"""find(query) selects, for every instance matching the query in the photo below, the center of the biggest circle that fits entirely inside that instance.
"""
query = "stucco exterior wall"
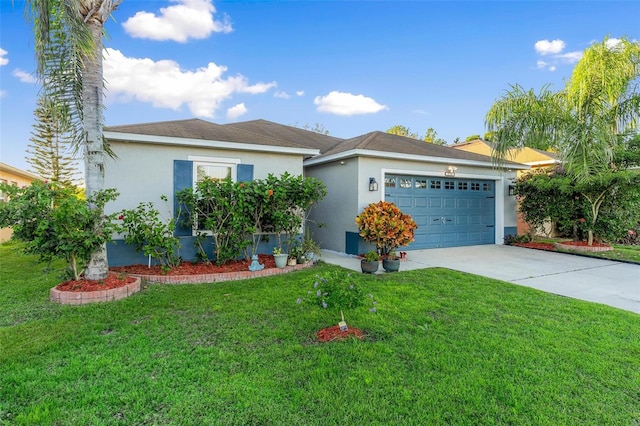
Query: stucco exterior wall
(348, 192)
(340, 207)
(144, 172)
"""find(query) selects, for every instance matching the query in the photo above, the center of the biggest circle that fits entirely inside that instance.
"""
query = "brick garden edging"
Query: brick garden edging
(590, 249)
(85, 297)
(224, 276)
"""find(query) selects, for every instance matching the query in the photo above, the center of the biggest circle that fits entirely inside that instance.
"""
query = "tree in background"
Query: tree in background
(316, 128)
(68, 46)
(50, 144)
(431, 136)
(402, 131)
(589, 123)
(472, 138)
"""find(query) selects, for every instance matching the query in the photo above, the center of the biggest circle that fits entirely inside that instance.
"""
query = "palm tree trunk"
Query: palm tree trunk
(94, 155)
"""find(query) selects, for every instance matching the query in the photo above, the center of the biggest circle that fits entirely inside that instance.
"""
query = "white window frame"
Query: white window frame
(211, 161)
(214, 161)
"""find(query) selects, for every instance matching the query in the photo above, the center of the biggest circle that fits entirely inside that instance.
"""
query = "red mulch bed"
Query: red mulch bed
(112, 281)
(333, 333)
(551, 247)
(190, 268)
(116, 279)
(539, 246)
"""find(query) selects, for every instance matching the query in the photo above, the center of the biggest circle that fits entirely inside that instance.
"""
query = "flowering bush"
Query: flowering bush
(238, 214)
(55, 223)
(384, 225)
(143, 228)
(337, 291)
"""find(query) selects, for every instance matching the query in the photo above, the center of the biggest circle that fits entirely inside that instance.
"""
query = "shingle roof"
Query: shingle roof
(386, 142)
(204, 130)
(296, 135)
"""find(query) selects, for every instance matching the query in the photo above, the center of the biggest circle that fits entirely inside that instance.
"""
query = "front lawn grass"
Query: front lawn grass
(444, 348)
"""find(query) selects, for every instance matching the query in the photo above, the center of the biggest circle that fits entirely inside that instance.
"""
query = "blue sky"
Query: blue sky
(351, 66)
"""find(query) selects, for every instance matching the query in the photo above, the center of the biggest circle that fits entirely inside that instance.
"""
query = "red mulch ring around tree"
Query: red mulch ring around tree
(112, 281)
(191, 268)
(333, 333)
(551, 247)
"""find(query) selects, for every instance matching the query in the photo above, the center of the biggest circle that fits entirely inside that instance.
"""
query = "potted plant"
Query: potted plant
(370, 262)
(384, 225)
(391, 262)
(280, 257)
(310, 248)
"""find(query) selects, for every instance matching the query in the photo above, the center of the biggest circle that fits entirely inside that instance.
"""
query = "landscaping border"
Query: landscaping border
(219, 277)
(586, 249)
(86, 297)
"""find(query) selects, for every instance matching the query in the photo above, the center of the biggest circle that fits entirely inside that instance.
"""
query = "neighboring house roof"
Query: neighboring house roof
(6, 168)
(304, 137)
(525, 155)
(196, 132)
(381, 144)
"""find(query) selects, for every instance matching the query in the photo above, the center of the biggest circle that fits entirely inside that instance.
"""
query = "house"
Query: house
(17, 177)
(535, 158)
(456, 197)
(160, 159)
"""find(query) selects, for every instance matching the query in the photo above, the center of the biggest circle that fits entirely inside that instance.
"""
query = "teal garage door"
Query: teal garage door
(449, 212)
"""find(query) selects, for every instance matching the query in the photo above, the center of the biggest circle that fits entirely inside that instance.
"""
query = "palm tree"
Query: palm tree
(585, 123)
(68, 43)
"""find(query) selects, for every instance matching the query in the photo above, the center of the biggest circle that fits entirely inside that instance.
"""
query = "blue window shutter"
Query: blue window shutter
(244, 172)
(182, 179)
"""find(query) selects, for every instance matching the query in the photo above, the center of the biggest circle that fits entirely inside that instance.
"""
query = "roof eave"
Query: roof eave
(412, 157)
(205, 143)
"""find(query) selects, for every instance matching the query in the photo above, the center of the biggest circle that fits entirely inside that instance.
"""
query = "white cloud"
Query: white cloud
(341, 103)
(236, 111)
(300, 93)
(613, 42)
(179, 22)
(24, 76)
(546, 47)
(541, 64)
(2, 94)
(164, 85)
(420, 112)
(3, 60)
(570, 57)
(281, 95)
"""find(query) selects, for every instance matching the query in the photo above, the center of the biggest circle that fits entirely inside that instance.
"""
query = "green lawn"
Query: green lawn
(443, 348)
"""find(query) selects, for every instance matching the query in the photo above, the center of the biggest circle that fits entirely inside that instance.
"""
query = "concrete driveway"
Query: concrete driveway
(602, 281)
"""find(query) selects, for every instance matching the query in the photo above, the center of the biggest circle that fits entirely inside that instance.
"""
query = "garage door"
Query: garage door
(449, 212)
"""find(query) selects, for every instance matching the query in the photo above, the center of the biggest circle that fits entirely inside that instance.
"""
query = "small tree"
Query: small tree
(54, 223)
(51, 142)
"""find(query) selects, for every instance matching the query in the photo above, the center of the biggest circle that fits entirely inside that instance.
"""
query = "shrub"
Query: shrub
(238, 214)
(384, 225)
(337, 291)
(55, 223)
(143, 228)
